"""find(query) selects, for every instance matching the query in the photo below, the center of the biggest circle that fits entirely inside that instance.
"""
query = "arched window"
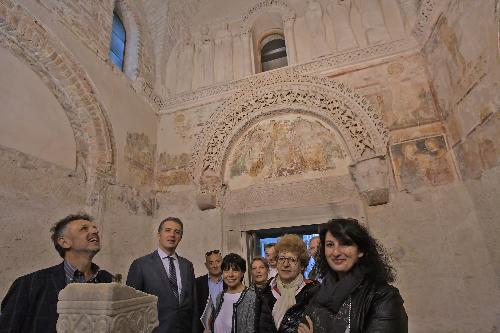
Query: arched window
(118, 40)
(273, 52)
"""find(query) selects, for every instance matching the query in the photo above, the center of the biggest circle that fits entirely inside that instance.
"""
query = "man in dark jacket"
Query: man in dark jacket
(210, 284)
(31, 302)
(170, 277)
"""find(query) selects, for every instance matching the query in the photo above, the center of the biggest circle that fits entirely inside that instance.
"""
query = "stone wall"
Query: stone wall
(113, 130)
(23, 95)
(464, 60)
(445, 272)
(33, 195)
(92, 25)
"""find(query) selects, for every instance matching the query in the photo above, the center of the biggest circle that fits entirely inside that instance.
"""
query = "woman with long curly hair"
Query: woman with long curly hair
(355, 295)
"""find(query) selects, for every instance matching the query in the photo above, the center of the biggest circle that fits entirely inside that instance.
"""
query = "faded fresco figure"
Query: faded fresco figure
(422, 162)
(203, 60)
(339, 11)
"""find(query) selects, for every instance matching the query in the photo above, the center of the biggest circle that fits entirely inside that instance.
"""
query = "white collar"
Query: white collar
(164, 255)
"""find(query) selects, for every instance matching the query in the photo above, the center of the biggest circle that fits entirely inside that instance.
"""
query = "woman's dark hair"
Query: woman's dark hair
(350, 232)
(234, 261)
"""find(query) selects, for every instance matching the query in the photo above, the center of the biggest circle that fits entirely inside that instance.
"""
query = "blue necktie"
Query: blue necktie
(172, 277)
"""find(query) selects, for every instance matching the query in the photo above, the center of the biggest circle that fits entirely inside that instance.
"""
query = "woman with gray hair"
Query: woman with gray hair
(283, 301)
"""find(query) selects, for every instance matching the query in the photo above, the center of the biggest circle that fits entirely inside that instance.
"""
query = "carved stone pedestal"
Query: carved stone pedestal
(105, 307)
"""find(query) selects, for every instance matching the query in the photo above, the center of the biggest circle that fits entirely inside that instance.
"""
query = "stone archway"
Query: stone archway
(336, 104)
(40, 50)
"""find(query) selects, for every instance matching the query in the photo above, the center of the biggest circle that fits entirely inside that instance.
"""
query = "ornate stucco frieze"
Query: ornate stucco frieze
(334, 103)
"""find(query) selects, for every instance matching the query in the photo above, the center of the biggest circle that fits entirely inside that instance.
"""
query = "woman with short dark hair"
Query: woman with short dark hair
(355, 295)
(235, 307)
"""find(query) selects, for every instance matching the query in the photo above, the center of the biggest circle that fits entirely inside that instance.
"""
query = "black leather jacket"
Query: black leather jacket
(374, 308)
(293, 317)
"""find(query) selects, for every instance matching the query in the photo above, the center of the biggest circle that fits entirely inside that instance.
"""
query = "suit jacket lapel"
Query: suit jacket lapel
(184, 277)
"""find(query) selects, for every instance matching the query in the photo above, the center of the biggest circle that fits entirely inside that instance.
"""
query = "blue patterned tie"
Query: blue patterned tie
(172, 277)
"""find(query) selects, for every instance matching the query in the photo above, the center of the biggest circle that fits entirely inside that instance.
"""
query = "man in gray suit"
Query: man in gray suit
(170, 277)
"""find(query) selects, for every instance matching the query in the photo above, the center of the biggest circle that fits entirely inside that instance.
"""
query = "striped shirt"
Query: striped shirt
(73, 275)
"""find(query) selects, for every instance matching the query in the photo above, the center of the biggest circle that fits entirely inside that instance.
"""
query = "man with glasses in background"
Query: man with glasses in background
(210, 284)
(271, 259)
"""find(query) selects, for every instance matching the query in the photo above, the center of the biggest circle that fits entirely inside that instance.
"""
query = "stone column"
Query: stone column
(105, 307)
(246, 68)
(290, 39)
(371, 179)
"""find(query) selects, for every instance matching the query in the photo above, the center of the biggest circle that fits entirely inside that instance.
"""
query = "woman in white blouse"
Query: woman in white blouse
(235, 307)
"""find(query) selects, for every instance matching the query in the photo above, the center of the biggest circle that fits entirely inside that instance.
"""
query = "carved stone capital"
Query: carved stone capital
(289, 20)
(209, 188)
(206, 200)
(371, 179)
(245, 34)
(106, 307)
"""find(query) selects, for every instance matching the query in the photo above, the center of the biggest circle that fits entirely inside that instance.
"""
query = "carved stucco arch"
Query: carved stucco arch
(351, 114)
(264, 7)
(40, 50)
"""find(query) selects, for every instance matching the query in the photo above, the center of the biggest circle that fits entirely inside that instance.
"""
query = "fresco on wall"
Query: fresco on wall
(422, 162)
(481, 150)
(412, 104)
(139, 155)
(287, 147)
(455, 66)
(400, 90)
(172, 170)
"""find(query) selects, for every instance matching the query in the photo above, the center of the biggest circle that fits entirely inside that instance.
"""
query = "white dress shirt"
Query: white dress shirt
(166, 265)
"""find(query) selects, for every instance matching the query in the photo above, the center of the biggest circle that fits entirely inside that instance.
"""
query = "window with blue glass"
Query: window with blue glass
(118, 40)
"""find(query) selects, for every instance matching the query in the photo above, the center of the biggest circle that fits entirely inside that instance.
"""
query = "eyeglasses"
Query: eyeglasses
(212, 252)
(291, 260)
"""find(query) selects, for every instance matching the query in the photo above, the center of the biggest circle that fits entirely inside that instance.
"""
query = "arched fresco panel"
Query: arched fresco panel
(288, 146)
